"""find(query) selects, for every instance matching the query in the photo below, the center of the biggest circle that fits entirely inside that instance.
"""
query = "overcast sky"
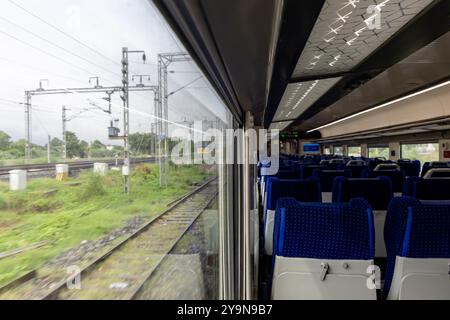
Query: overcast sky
(32, 50)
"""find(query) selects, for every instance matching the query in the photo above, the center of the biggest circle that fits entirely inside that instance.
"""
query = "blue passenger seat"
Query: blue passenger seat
(323, 251)
(397, 177)
(427, 189)
(301, 190)
(378, 192)
(417, 236)
(326, 177)
(411, 168)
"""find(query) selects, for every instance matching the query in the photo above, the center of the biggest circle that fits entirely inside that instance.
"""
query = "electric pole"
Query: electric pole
(162, 127)
(49, 158)
(126, 113)
(64, 133)
(28, 127)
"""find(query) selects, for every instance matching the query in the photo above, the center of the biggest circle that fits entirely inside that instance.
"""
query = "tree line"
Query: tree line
(140, 144)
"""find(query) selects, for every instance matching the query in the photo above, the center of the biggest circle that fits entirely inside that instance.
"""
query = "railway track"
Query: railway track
(74, 166)
(121, 272)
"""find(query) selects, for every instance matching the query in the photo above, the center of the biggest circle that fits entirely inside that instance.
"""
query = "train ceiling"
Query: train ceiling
(303, 64)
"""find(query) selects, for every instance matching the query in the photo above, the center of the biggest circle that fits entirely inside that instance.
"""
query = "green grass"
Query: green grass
(72, 214)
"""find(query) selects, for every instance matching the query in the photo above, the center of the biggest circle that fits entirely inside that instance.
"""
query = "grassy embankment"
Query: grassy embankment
(67, 213)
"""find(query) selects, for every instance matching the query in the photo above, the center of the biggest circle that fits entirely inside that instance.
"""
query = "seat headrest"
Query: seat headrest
(301, 190)
(438, 173)
(427, 189)
(378, 192)
(387, 166)
(439, 164)
(305, 232)
(356, 163)
(337, 161)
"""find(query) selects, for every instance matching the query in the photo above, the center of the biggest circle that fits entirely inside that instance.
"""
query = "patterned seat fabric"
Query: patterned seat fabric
(433, 165)
(415, 230)
(301, 190)
(326, 177)
(324, 231)
(411, 168)
(378, 192)
(427, 189)
(306, 171)
(397, 177)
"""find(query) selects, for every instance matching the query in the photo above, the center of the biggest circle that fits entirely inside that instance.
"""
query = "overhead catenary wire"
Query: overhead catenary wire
(62, 32)
(58, 46)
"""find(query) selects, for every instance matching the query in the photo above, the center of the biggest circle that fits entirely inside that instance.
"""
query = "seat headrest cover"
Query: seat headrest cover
(437, 173)
(439, 164)
(356, 163)
(387, 166)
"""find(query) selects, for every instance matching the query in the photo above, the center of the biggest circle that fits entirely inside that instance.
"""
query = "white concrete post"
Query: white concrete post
(17, 180)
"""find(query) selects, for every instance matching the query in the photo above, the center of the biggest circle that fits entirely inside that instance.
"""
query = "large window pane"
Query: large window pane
(339, 151)
(425, 152)
(85, 58)
(354, 151)
(379, 152)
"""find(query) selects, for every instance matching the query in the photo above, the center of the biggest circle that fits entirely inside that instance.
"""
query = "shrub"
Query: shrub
(92, 187)
(145, 172)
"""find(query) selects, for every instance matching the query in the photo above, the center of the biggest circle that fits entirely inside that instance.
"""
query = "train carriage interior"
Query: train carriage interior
(324, 175)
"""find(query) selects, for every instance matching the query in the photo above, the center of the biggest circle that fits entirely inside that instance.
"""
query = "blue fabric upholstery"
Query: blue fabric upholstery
(326, 178)
(411, 168)
(357, 171)
(373, 163)
(415, 229)
(397, 177)
(306, 171)
(378, 192)
(435, 165)
(301, 190)
(427, 189)
(287, 174)
(324, 231)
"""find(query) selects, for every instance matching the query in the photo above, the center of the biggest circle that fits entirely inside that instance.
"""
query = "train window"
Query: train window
(379, 152)
(121, 164)
(354, 151)
(339, 151)
(425, 152)
(327, 150)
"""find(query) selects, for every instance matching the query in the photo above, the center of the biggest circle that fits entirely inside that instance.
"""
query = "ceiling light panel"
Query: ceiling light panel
(347, 32)
(280, 125)
(298, 97)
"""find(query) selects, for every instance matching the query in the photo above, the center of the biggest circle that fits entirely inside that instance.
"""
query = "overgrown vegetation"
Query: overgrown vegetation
(85, 208)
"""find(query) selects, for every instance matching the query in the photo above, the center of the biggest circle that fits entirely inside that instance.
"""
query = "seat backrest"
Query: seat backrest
(411, 168)
(437, 173)
(301, 190)
(336, 240)
(378, 192)
(387, 166)
(373, 163)
(397, 177)
(417, 241)
(434, 165)
(306, 171)
(304, 230)
(356, 163)
(326, 178)
(427, 189)
(289, 174)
